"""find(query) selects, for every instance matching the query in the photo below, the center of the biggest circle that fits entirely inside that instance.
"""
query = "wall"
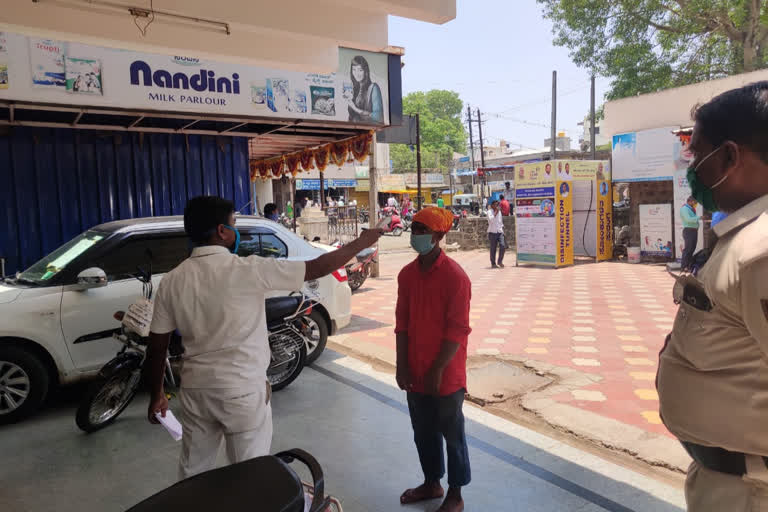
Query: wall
(671, 107)
(56, 183)
(473, 233)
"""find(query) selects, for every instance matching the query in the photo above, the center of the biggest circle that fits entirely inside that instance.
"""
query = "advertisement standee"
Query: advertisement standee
(544, 210)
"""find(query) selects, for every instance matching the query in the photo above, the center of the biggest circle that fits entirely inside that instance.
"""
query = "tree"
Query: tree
(442, 131)
(647, 45)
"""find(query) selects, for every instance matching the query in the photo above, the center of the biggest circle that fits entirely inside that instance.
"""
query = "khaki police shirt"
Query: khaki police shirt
(713, 374)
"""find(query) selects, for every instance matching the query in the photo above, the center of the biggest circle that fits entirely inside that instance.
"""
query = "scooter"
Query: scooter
(267, 484)
(394, 225)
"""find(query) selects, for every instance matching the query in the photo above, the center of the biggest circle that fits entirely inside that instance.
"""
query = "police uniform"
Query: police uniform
(713, 370)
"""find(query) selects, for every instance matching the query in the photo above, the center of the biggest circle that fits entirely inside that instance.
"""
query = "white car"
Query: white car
(56, 318)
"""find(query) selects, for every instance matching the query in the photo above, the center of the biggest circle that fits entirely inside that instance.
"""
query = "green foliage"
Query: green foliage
(647, 45)
(442, 131)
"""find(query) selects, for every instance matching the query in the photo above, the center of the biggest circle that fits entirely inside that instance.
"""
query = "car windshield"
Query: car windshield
(55, 262)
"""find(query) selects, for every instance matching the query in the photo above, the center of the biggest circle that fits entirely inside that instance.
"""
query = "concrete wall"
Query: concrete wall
(671, 107)
(303, 35)
(473, 234)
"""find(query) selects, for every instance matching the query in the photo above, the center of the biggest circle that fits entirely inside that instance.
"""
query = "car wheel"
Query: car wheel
(319, 338)
(24, 384)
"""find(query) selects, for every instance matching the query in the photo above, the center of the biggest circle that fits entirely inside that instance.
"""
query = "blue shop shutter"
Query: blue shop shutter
(57, 182)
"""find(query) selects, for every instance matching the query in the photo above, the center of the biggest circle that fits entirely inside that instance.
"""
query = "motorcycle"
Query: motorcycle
(393, 224)
(362, 215)
(288, 325)
(358, 272)
(408, 219)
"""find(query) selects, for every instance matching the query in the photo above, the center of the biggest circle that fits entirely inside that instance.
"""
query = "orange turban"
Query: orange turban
(438, 220)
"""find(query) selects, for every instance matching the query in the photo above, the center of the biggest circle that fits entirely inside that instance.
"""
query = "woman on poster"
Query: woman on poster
(365, 103)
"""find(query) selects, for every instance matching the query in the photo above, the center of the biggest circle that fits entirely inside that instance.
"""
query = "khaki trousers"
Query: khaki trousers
(243, 419)
(712, 491)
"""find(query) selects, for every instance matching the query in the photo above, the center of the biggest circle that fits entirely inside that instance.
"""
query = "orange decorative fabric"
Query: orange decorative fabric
(276, 166)
(322, 156)
(438, 220)
(339, 152)
(360, 147)
(292, 163)
(307, 160)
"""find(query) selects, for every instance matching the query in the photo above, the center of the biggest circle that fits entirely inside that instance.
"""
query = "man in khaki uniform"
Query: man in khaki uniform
(713, 370)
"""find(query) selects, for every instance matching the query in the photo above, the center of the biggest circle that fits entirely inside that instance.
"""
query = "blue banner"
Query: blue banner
(535, 192)
(313, 184)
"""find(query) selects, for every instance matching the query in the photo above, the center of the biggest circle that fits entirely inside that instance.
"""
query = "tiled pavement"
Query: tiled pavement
(608, 319)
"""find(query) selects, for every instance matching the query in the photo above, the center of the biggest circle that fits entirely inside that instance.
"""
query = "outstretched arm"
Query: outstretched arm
(327, 263)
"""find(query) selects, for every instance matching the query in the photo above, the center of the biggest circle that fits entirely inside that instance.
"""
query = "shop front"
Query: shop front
(91, 134)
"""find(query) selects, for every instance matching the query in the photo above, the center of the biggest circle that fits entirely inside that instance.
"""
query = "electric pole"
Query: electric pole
(482, 154)
(553, 153)
(592, 115)
(418, 163)
(471, 146)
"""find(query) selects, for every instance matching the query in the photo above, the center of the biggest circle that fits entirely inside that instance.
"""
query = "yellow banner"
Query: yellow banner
(564, 226)
(539, 174)
(604, 220)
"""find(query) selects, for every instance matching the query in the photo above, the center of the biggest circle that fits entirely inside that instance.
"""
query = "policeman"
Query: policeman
(713, 370)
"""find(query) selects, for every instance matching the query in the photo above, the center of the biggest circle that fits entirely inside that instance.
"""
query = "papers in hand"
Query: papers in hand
(170, 423)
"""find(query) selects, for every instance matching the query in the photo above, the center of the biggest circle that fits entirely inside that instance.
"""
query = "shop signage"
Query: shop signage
(649, 155)
(65, 72)
(391, 183)
(311, 184)
(411, 179)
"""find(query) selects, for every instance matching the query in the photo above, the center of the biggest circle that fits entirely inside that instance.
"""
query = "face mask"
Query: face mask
(702, 193)
(422, 244)
(235, 247)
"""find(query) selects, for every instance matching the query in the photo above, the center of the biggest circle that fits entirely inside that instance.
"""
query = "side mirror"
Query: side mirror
(92, 277)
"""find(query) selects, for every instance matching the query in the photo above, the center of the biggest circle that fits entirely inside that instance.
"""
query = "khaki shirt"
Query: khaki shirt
(713, 373)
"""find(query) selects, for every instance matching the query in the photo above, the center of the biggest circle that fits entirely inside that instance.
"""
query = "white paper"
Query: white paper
(171, 424)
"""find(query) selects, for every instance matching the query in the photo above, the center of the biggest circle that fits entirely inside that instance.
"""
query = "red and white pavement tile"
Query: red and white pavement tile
(608, 319)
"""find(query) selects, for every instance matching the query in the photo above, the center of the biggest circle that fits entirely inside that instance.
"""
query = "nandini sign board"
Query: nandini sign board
(56, 71)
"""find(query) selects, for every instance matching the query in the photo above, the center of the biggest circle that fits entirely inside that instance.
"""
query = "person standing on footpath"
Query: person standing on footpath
(504, 205)
(496, 235)
(432, 329)
(713, 369)
(690, 231)
(216, 301)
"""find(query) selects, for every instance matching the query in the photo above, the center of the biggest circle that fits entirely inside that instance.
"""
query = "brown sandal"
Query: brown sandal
(420, 493)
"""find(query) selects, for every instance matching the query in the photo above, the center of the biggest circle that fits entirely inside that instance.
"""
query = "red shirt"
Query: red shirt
(433, 307)
(504, 207)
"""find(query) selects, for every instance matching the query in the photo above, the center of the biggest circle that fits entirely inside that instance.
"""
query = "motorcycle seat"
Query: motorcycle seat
(278, 308)
(263, 483)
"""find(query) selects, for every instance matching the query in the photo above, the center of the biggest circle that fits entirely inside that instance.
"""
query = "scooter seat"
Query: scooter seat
(365, 254)
(278, 308)
(264, 483)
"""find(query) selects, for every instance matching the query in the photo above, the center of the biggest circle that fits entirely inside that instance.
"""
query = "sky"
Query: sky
(499, 56)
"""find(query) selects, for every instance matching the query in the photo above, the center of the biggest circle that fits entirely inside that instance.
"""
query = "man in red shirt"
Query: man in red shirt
(504, 205)
(432, 332)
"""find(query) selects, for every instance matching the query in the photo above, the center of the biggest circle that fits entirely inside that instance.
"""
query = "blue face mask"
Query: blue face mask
(235, 247)
(422, 244)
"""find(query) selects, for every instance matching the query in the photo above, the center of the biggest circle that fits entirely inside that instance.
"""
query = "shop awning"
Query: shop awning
(269, 137)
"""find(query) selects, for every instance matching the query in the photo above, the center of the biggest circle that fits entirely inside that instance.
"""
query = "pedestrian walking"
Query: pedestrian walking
(432, 329)
(690, 231)
(215, 299)
(496, 235)
(713, 370)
